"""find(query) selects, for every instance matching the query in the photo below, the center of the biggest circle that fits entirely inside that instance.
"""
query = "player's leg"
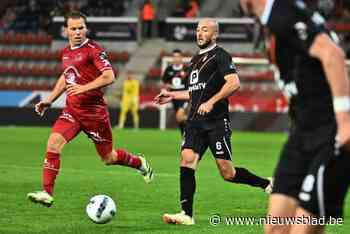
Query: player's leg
(290, 171)
(135, 112)
(124, 109)
(180, 115)
(100, 132)
(64, 129)
(324, 189)
(220, 146)
(181, 119)
(188, 165)
(280, 207)
(194, 146)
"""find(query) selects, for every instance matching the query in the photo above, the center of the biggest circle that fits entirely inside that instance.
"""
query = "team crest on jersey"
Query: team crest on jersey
(71, 74)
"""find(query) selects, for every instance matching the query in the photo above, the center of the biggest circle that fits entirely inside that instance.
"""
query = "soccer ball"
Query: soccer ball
(101, 209)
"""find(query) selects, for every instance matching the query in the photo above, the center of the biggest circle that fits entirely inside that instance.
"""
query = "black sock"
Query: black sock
(182, 127)
(243, 176)
(187, 189)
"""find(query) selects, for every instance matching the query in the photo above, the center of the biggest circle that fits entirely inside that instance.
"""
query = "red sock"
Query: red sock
(51, 169)
(127, 159)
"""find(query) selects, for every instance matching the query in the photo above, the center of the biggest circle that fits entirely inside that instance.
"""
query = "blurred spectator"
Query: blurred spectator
(193, 10)
(148, 16)
(179, 10)
(130, 101)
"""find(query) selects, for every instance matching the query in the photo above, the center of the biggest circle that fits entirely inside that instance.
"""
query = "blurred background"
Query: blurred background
(139, 37)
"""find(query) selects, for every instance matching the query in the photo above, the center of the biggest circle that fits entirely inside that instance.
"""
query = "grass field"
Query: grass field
(140, 206)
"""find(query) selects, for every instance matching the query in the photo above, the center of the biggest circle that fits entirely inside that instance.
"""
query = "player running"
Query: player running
(212, 80)
(86, 71)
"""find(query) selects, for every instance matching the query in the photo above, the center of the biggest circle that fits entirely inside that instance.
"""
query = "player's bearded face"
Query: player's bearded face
(205, 36)
(76, 31)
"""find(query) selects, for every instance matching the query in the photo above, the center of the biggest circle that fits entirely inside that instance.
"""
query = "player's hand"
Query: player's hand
(205, 108)
(41, 107)
(75, 89)
(343, 133)
(164, 97)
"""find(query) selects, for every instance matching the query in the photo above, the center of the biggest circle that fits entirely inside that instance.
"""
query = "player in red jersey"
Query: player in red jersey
(86, 70)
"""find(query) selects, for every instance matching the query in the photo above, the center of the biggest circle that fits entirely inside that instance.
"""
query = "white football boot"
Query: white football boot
(179, 218)
(41, 197)
(146, 170)
(269, 188)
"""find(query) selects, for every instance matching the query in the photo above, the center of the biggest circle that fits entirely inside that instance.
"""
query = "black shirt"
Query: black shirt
(294, 29)
(176, 76)
(208, 70)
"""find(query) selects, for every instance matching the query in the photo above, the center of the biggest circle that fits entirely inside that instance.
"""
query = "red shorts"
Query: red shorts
(98, 130)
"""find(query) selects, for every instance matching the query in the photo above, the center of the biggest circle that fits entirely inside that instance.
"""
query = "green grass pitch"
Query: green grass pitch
(139, 206)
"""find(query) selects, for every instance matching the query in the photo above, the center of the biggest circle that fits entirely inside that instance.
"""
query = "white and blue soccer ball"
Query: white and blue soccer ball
(101, 209)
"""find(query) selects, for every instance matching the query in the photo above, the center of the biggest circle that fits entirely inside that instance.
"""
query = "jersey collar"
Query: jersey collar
(267, 12)
(178, 67)
(202, 51)
(76, 47)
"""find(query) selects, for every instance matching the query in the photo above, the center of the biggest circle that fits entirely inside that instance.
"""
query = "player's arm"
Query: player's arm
(231, 85)
(166, 96)
(59, 88)
(334, 65)
(106, 78)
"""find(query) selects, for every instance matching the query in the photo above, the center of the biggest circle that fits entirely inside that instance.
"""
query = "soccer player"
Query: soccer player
(175, 79)
(130, 101)
(312, 176)
(212, 80)
(86, 71)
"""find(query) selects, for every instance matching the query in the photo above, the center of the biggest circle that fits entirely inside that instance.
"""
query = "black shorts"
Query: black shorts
(215, 135)
(177, 104)
(312, 171)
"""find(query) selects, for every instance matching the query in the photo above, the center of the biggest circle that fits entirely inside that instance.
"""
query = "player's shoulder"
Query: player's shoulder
(221, 52)
(65, 49)
(91, 44)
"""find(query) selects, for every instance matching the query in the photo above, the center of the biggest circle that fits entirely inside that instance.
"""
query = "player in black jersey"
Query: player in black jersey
(212, 79)
(175, 79)
(312, 176)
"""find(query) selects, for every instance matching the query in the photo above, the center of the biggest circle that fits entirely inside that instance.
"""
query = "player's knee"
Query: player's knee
(188, 158)
(55, 143)
(180, 116)
(106, 153)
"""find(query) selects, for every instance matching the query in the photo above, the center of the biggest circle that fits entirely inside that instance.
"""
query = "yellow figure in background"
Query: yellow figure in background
(130, 100)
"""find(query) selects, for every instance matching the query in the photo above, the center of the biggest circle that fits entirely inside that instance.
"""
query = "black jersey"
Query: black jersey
(293, 28)
(176, 76)
(208, 69)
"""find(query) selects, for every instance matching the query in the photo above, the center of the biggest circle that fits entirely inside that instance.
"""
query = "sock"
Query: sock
(51, 169)
(243, 176)
(187, 189)
(127, 159)
(182, 127)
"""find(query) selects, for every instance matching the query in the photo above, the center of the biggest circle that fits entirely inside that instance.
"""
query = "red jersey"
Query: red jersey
(82, 65)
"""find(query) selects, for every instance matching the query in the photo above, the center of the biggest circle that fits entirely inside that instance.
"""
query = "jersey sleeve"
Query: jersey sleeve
(225, 63)
(299, 25)
(100, 59)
